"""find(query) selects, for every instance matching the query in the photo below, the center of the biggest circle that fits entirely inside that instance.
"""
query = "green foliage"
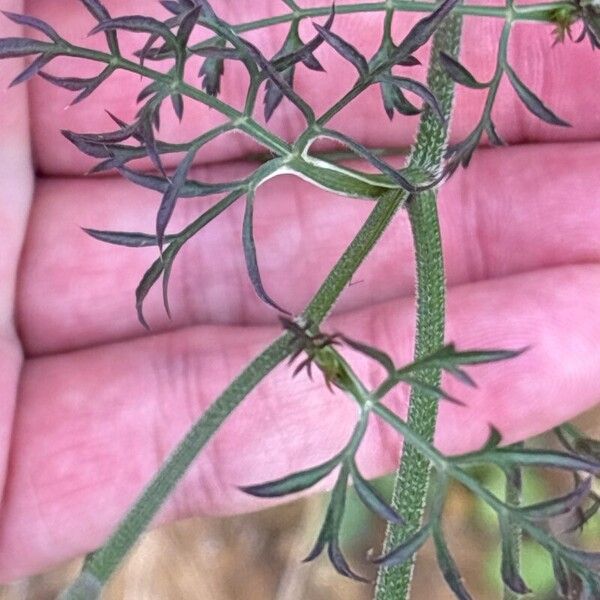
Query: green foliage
(168, 42)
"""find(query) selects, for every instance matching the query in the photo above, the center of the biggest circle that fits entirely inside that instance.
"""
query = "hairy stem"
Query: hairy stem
(412, 481)
(101, 564)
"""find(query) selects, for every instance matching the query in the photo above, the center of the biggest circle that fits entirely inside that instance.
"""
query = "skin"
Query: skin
(91, 403)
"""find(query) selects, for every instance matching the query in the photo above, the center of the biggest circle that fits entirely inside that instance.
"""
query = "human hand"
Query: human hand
(96, 403)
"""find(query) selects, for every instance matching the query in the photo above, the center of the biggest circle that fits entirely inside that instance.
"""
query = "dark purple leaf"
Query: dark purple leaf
(137, 24)
(344, 49)
(188, 23)
(98, 10)
(405, 551)
(293, 483)
(365, 153)
(340, 564)
(419, 89)
(448, 566)
(458, 73)
(15, 47)
(169, 200)
(419, 35)
(558, 506)
(34, 23)
(177, 102)
(250, 254)
(372, 499)
(532, 102)
(126, 238)
(33, 69)
(510, 561)
(277, 80)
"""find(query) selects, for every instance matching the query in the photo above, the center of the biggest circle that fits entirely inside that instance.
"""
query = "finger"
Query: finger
(15, 196)
(497, 218)
(92, 426)
(565, 67)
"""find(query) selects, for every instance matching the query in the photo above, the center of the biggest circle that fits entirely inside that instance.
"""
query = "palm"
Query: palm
(99, 402)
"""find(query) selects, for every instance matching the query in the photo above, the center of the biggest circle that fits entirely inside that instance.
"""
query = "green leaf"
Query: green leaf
(371, 498)
(250, 254)
(510, 561)
(448, 566)
(532, 102)
(293, 483)
(405, 551)
(458, 73)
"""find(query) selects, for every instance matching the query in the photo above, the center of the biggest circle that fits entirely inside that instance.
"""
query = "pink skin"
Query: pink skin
(91, 403)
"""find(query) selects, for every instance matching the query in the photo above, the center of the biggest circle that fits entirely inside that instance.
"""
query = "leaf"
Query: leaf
(146, 131)
(156, 269)
(560, 505)
(33, 69)
(492, 134)
(274, 95)
(250, 254)
(187, 25)
(543, 458)
(381, 357)
(126, 238)
(419, 35)
(211, 71)
(98, 10)
(85, 85)
(430, 389)
(461, 154)
(405, 551)
(562, 575)
(304, 54)
(365, 153)
(190, 189)
(293, 483)
(167, 205)
(510, 561)
(344, 49)
(419, 89)
(371, 498)
(16, 47)
(277, 80)
(177, 101)
(329, 533)
(34, 23)
(340, 564)
(458, 73)
(532, 102)
(448, 566)
(394, 99)
(137, 24)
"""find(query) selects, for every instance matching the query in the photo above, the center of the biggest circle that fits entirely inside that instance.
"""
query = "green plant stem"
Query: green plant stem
(412, 481)
(512, 496)
(533, 12)
(101, 564)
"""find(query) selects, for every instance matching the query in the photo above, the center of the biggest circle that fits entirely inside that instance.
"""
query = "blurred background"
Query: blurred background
(258, 556)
